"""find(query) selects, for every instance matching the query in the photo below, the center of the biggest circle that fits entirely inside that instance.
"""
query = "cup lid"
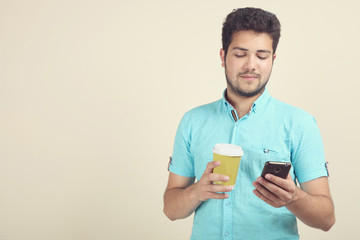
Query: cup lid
(228, 149)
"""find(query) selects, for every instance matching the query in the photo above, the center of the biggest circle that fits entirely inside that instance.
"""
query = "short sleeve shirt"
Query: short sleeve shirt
(271, 131)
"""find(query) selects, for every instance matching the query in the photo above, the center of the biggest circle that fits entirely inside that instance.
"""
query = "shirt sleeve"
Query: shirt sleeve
(308, 155)
(182, 162)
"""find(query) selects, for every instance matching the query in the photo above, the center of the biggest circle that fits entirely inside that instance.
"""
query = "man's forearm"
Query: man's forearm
(315, 211)
(180, 202)
(312, 204)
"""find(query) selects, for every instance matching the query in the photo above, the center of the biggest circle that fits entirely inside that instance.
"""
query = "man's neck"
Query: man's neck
(241, 104)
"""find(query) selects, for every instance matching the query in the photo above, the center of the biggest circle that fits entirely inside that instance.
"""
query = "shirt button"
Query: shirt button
(228, 203)
(266, 150)
(226, 234)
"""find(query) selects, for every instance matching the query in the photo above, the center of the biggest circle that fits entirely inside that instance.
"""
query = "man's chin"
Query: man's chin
(248, 93)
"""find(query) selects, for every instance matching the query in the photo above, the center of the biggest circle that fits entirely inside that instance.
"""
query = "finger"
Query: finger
(218, 177)
(220, 188)
(273, 193)
(267, 196)
(218, 195)
(265, 192)
(271, 186)
(275, 179)
(210, 166)
(270, 182)
(282, 186)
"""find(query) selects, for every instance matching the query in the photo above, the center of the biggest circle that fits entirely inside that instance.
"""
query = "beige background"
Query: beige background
(91, 93)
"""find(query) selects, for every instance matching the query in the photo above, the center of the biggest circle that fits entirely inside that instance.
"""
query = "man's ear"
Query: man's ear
(274, 56)
(222, 56)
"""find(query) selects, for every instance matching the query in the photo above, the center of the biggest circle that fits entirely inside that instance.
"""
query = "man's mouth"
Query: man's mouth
(249, 77)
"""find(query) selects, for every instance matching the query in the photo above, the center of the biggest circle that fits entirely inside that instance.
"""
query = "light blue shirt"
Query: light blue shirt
(271, 131)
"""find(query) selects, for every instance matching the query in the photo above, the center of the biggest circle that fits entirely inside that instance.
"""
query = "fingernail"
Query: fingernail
(267, 176)
(230, 188)
(259, 179)
(226, 178)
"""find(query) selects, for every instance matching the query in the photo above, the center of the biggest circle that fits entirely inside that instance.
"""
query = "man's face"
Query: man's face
(248, 63)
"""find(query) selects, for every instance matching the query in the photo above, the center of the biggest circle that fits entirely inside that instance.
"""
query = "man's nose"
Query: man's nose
(250, 63)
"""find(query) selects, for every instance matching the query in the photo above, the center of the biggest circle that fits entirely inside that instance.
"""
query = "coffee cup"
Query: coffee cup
(229, 155)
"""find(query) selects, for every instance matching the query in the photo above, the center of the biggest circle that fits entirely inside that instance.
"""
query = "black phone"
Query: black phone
(280, 169)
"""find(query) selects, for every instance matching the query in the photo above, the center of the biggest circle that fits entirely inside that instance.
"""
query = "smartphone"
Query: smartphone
(280, 169)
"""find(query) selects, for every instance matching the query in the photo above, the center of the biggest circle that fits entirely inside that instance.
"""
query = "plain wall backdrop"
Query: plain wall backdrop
(92, 91)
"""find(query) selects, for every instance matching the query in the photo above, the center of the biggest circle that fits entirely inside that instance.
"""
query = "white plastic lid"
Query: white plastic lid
(228, 149)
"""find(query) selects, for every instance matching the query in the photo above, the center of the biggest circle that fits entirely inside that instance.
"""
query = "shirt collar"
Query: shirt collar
(258, 105)
(262, 101)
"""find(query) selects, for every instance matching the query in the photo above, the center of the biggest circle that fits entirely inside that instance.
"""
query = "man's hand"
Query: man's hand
(276, 191)
(182, 196)
(205, 188)
(312, 204)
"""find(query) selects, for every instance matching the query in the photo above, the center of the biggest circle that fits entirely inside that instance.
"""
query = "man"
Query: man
(267, 130)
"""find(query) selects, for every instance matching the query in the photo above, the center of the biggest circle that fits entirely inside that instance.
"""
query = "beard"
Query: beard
(239, 91)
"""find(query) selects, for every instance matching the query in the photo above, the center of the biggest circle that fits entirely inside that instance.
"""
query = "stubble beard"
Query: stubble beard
(237, 90)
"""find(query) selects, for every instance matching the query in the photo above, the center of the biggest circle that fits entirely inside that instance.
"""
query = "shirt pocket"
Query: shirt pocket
(274, 155)
(255, 158)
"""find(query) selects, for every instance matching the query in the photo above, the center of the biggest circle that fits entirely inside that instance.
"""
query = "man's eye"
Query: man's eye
(262, 57)
(239, 56)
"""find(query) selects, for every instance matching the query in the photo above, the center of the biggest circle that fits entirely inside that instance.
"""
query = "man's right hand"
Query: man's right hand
(182, 196)
(205, 187)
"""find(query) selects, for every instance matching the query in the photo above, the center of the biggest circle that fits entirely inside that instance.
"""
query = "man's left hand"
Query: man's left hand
(276, 191)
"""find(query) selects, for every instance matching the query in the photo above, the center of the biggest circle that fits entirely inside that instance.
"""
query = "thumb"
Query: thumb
(211, 165)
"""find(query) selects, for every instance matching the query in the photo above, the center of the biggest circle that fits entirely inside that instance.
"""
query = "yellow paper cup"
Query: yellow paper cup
(229, 155)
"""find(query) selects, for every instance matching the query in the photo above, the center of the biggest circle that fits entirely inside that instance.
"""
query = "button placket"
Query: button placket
(228, 216)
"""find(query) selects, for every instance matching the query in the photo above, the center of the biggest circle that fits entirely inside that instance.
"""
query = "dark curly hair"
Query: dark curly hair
(254, 19)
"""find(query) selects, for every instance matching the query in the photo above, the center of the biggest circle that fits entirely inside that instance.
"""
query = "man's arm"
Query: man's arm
(312, 204)
(182, 196)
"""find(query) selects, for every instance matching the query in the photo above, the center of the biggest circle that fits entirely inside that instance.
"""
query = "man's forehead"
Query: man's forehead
(250, 40)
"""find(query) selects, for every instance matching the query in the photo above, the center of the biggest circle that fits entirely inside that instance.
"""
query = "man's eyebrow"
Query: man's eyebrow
(264, 51)
(240, 48)
(245, 49)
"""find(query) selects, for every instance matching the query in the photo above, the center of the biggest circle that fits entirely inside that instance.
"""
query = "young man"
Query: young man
(267, 130)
